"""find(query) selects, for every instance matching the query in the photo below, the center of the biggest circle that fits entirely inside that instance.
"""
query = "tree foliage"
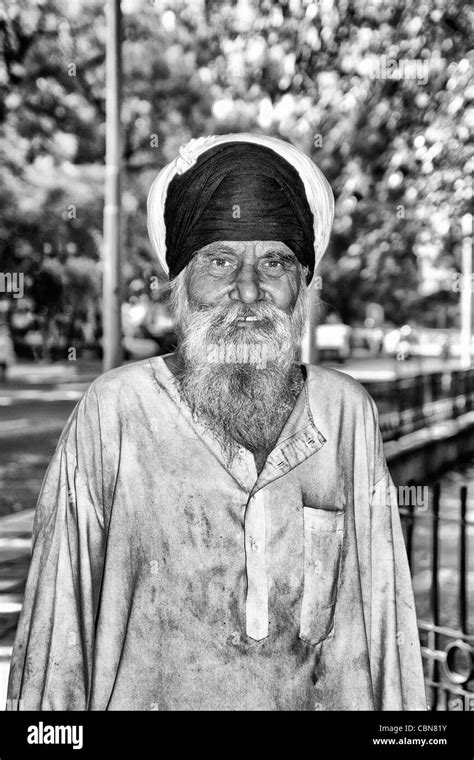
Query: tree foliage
(397, 152)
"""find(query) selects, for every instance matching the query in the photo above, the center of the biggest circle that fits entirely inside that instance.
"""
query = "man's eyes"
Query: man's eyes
(274, 267)
(267, 263)
(267, 266)
(221, 263)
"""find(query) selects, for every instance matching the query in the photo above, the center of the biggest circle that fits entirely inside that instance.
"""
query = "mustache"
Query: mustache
(213, 335)
(225, 315)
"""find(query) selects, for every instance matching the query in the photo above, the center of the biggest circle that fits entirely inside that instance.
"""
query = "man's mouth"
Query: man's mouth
(247, 321)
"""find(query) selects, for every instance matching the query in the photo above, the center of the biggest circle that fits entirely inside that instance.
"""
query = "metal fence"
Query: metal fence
(410, 403)
(448, 652)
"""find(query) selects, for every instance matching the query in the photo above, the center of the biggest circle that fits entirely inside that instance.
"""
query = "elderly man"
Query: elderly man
(218, 529)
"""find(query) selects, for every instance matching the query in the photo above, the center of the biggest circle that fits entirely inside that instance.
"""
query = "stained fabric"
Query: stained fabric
(238, 191)
(164, 579)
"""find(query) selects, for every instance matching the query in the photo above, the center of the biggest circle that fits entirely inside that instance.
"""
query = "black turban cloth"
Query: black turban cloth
(237, 191)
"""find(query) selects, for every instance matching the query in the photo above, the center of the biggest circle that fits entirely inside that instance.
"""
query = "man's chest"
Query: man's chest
(260, 560)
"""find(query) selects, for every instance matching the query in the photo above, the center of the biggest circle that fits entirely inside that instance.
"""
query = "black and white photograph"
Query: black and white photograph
(236, 344)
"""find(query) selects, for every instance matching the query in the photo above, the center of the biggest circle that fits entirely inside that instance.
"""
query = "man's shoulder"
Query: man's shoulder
(335, 383)
(131, 378)
(338, 398)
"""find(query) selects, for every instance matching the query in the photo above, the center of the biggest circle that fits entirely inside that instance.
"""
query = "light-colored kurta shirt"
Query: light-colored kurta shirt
(164, 579)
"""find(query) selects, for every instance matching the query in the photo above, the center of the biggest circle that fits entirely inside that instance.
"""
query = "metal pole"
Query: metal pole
(112, 343)
(309, 354)
(435, 580)
(463, 608)
(466, 291)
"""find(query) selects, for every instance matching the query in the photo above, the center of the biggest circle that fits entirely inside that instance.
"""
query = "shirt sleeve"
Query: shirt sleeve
(395, 655)
(52, 656)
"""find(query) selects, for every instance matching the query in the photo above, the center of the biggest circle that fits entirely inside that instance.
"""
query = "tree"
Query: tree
(396, 150)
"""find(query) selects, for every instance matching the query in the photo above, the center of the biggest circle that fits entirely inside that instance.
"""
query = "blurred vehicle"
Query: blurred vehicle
(333, 341)
(403, 342)
(7, 353)
(148, 328)
(367, 340)
(25, 328)
(160, 325)
(426, 342)
(135, 348)
(455, 348)
(434, 342)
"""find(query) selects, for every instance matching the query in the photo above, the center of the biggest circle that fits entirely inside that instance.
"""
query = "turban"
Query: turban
(239, 187)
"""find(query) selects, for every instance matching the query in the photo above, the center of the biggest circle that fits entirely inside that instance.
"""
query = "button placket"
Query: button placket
(256, 606)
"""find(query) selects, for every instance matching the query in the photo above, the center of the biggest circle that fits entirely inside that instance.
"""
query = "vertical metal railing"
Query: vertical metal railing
(448, 651)
(435, 581)
(463, 567)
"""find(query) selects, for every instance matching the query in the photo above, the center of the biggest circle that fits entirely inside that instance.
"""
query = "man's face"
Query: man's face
(240, 310)
(247, 272)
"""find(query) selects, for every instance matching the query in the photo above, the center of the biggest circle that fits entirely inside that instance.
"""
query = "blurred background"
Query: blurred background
(397, 152)
(380, 94)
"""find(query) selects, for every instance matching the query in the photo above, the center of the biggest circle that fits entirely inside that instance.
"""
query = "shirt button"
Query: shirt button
(234, 639)
(253, 545)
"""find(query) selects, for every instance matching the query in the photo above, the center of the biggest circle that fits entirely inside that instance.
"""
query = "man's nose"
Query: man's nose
(247, 285)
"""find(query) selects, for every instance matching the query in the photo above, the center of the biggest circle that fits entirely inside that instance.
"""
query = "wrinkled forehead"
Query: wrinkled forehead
(241, 248)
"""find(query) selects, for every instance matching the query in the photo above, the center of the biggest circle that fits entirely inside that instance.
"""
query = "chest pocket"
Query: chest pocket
(323, 535)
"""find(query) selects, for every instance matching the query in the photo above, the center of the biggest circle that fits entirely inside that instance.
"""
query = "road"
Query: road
(34, 405)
